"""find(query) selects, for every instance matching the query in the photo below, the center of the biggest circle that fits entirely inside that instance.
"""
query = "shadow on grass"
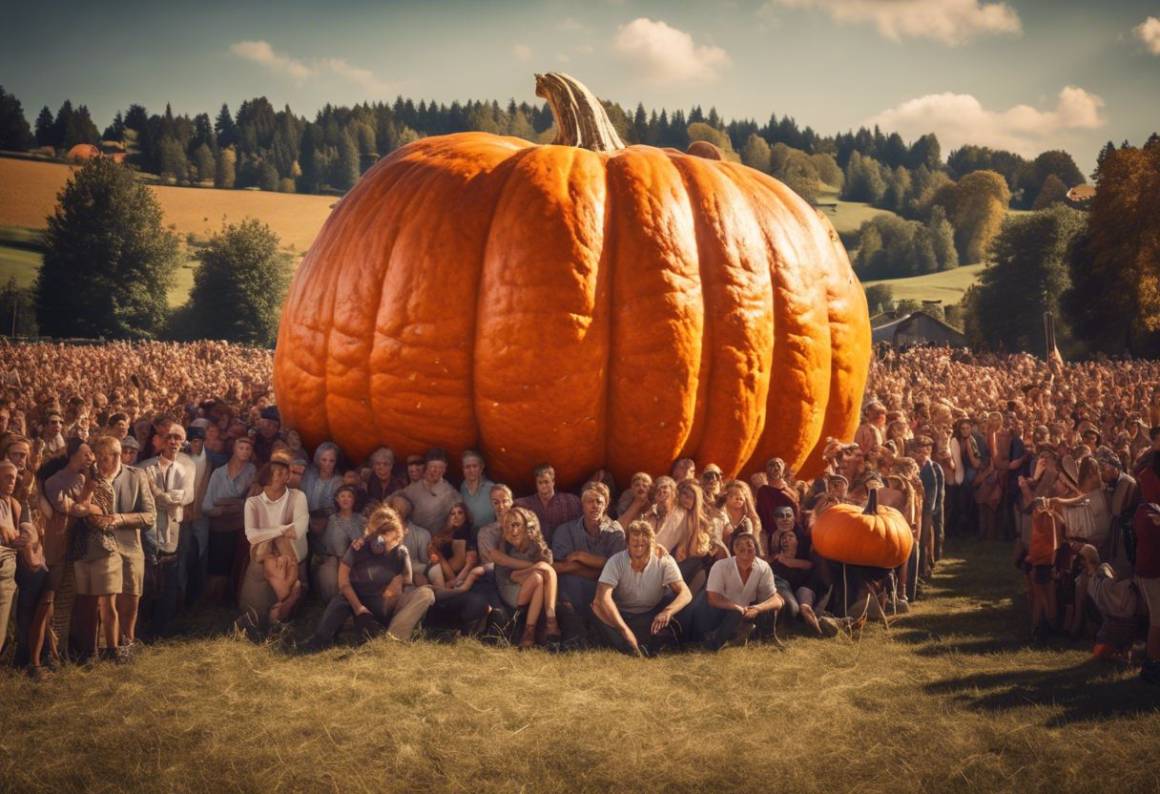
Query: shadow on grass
(1088, 692)
(971, 572)
(996, 625)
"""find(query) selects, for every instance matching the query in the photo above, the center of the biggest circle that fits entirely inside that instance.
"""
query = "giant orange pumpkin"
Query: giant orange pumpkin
(876, 535)
(581, 303)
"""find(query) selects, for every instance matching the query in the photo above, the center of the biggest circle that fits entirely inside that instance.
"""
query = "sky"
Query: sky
(1024, 75)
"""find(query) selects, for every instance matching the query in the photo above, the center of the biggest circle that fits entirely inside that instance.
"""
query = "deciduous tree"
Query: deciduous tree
(108, 261)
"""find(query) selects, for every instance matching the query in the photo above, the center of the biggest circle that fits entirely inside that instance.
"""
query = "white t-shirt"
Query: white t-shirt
(639, 591)
(264, 519)
(725, 580)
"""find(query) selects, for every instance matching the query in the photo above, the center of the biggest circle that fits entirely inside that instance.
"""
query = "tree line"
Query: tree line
(1098, 272)
(279, 150)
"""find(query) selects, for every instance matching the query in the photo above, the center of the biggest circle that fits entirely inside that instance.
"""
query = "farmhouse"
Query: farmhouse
(1081, 195)
(917, 328)
(82, 152)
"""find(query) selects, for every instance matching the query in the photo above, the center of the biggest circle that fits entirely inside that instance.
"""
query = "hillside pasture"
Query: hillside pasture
(30, 188)
(20, 264)
(947, 286)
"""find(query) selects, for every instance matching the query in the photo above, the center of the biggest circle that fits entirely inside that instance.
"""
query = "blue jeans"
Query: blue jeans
(193, 548)
(714, 627)
(579, 592)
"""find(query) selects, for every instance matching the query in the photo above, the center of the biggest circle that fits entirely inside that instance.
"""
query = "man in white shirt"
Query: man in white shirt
(631, 594)
(171, 476)
(739, 596)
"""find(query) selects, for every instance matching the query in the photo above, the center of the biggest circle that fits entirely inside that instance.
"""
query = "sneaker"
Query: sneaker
(829, 626)
(741, 637)
(902, 607)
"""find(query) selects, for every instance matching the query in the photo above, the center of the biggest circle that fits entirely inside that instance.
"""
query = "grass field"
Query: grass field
(848, 216)
(19, 263)
(947, 286)
(950, 698)
(29, 194)
(23, 265)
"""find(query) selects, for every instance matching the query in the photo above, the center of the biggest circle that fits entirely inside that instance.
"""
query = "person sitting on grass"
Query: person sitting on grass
(631, 595)
(374, 581)
(526, 579)
(795, 580)
(581, 548)
(415, 538)
(452, 556)
(344, 526)
(739, 598)
(275, 519)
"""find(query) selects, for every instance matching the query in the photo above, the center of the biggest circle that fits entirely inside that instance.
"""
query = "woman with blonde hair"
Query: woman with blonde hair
(738, 511)
(689, 538)
(374, 581)
(528, 580)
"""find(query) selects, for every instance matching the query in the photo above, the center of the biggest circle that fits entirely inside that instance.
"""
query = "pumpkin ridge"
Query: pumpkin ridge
(327, 309)
(404, 313)
(408, 171)
(371, 218)
(544, 336)
(739, 180)
(802, 346)
(608, 243)
(736, 287)
(849, 326)
(696, 198)
(659, 333)
(329, 262)
(509, 166)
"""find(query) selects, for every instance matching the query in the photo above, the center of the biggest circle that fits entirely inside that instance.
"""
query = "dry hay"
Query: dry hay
(947, 699)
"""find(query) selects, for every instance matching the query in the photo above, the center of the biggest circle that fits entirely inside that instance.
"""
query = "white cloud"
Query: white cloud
(952, 22)
(262, 53)
(767, 18)
(664, 54)
(570, 24)
(1148, 32)
(522, 52)
(355, 74)
(959, 119)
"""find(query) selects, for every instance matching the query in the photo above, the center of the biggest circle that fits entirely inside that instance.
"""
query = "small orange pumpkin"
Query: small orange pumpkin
(583, 303)
(877, 535)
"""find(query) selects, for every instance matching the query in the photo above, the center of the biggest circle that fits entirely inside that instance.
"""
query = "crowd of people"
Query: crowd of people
(140, 483)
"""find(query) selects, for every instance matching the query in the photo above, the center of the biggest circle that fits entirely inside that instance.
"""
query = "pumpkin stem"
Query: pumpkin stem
(580, 118)
(872, 503)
